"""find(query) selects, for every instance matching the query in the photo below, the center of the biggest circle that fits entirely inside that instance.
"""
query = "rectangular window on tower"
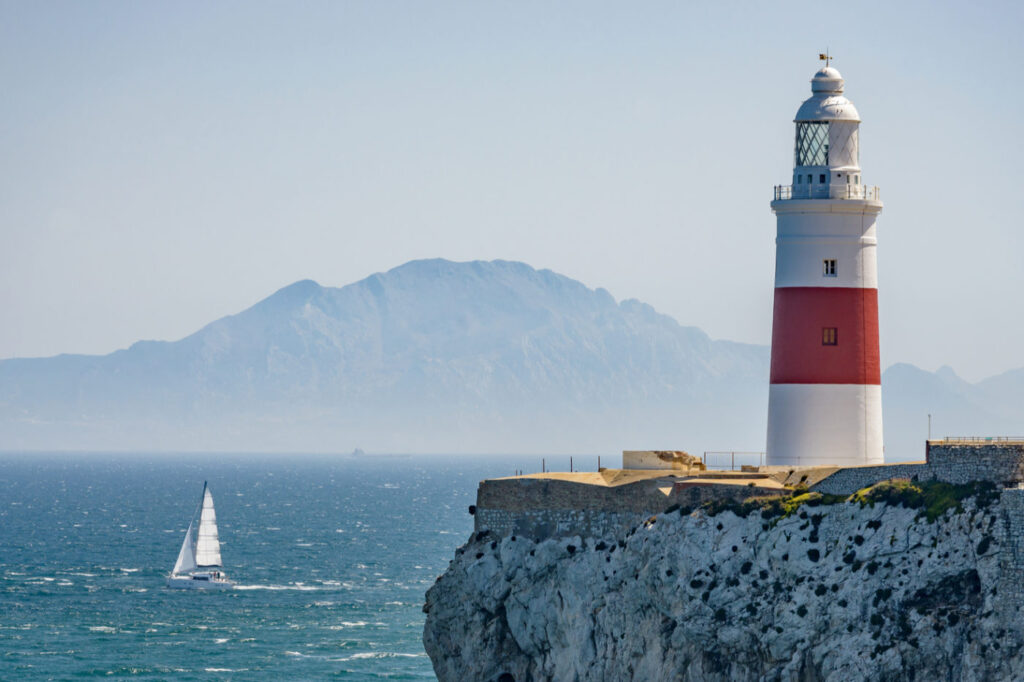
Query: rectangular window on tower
(829, 267)
(830, 336)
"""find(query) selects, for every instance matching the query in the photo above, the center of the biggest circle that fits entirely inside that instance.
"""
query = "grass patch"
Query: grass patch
(932, 499)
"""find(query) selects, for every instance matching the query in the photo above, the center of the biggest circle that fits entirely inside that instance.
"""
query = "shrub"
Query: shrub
(932, 499)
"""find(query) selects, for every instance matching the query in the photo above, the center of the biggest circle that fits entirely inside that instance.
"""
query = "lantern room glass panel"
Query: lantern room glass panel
(812, 143)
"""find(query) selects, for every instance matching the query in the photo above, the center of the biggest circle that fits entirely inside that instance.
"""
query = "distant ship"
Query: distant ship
(359, 452)
(198, 565)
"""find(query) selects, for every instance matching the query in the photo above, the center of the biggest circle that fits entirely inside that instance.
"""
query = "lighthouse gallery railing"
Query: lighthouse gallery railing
(869, 192)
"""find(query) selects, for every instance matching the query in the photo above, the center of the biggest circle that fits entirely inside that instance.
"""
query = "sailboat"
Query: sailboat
(198, 565)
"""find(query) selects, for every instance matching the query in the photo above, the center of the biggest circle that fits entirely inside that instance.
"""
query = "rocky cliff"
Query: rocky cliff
(899, 582)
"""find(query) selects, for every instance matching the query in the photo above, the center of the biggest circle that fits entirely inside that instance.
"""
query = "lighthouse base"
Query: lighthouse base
(824, 425)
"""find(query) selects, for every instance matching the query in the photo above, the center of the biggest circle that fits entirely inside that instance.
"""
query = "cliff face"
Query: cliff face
(842, 591)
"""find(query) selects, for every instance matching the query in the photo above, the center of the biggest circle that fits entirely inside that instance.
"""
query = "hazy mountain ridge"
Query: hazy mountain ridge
(432, 355)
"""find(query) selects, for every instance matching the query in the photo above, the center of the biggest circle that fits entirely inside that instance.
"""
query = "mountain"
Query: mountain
(440, 356)
(432, 355)
(992, 407)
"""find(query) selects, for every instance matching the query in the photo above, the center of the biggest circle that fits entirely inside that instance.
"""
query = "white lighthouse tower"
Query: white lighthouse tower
(825, 400)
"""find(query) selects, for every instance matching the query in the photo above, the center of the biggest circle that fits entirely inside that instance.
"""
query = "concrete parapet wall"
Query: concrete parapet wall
(525, 494)
(676, 460)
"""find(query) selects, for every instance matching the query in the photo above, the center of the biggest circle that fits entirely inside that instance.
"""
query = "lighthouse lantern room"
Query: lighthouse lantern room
(825, 398)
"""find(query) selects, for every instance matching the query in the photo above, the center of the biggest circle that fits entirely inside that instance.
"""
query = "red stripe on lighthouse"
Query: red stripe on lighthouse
(801, 313)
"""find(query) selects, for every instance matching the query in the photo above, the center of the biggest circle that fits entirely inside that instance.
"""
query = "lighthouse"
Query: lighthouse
(825, 398)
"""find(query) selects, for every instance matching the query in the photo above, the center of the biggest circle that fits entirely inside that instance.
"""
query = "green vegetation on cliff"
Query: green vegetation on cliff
(932, 498)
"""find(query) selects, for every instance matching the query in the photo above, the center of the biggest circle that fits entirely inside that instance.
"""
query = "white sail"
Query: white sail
(187, 556)
(208, 544)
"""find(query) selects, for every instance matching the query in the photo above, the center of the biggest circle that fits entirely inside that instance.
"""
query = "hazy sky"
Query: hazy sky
(164, 164)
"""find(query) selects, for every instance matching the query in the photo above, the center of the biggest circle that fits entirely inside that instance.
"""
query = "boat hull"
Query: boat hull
(188, 582)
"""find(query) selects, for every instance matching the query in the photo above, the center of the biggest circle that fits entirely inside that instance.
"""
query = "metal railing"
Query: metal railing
(712, 459)
(786, 192)
(982, 439)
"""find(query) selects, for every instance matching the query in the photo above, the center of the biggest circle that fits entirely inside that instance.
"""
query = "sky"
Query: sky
(166, 164)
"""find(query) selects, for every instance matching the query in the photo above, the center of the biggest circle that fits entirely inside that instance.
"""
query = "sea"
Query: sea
(332, 556)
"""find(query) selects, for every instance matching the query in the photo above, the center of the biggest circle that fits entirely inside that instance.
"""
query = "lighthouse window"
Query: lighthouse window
(812, 143)
(829, 267)
(821, 178)
(830, 336)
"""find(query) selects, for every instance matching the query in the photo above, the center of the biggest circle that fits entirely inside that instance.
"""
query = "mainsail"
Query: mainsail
(208, 544)
(187, 556)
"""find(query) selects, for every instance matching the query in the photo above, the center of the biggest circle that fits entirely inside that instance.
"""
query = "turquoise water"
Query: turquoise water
(332, 557)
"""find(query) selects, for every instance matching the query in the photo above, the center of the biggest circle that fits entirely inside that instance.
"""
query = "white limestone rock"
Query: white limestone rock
(834, 592)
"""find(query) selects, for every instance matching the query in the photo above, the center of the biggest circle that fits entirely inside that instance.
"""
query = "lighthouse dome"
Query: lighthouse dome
(827, 102)
(827, 79)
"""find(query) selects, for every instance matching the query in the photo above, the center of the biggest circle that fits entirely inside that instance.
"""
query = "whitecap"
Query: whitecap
(102, 628)
(380, 654)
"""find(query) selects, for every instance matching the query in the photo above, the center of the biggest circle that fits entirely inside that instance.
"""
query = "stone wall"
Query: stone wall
(1001, 463)
(552, 523)
(851, 479)
(1011, 558)
(543, 508)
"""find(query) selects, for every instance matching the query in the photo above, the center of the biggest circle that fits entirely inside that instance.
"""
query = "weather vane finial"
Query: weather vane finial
(825, 57)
